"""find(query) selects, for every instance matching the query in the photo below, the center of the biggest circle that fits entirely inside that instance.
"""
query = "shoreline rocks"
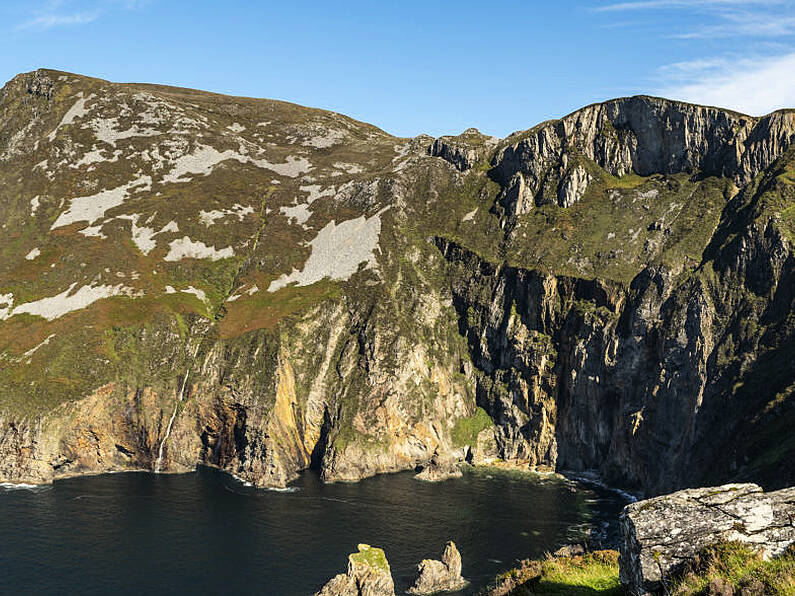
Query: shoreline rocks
(438, 469)
(435, 576)
(660, 536)
(368, 574)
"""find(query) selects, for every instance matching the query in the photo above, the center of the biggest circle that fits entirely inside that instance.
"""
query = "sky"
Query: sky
(433, 66)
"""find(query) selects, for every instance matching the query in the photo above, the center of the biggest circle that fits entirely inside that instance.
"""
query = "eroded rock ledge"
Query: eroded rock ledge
(435, 576)
(659, 536)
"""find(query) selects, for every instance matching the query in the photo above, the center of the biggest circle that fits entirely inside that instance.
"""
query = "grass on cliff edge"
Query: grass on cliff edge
(733, 567)
(727, 568)
(592, 573)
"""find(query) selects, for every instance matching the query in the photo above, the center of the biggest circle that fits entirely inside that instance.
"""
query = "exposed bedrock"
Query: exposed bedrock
(640, 135)
(434, 576)
(661, 535)
(263, 408)
(368, 574)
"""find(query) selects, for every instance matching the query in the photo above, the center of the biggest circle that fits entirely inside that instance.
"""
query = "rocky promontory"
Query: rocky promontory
(660, 536)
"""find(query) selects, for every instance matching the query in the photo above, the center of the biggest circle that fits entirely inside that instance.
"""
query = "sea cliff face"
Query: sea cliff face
(191, 278)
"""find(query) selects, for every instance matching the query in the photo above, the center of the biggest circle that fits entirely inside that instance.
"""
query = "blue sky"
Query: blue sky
(414, 67)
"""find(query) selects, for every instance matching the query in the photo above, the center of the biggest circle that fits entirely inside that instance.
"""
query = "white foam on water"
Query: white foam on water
(241, 480)
(593, 479)
(286, 489)
(23, 486)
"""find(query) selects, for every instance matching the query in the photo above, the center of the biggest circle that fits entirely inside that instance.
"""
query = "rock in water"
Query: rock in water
(658, 536)
(440, 576)
(368, 575)
(438, 470)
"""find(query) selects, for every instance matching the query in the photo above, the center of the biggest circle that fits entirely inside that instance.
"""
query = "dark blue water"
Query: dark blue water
(205, 533)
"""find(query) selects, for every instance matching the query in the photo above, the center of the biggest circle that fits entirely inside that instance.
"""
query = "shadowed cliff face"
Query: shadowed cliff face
(192, 278)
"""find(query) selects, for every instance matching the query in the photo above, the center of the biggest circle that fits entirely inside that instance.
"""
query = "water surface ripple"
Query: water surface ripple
(206, 533)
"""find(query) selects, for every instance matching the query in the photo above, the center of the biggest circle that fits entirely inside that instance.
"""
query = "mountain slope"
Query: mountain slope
(193, 278)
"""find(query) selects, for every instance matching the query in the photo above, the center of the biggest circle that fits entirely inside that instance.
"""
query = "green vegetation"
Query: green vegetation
(719, 569)
(590, 574)
(466, 430)
(370, 556)
(263, 309)
(737, 566)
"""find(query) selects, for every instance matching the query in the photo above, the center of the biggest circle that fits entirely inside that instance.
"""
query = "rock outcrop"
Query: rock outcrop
(641, 135)
(465, 150)
(435, 576)
(437, 470)
(368, 574)
(660, 536)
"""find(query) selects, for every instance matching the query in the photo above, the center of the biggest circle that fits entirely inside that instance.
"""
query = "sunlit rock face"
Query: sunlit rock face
(662, 535)
(188, 278)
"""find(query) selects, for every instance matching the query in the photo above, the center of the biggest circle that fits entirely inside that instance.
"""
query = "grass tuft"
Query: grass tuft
(592, 573)
(726, 567)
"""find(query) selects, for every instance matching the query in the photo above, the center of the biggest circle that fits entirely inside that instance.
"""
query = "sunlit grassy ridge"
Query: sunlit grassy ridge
(718, 569)
(592, 573)
(734, 566)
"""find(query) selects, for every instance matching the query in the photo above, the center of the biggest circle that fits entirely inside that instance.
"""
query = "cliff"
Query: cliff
(193, 278)
(664, 536)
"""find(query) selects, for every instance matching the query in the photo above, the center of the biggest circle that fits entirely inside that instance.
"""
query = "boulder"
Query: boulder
(438, 469)
(368, 575)
(660, 536)
(569, 550)
(440, 576)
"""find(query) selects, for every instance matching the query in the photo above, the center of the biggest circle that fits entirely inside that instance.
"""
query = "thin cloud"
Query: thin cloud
(687, 4)
(726, 18)
(53, 13)
(748, 25)
(754, 86)
(48, 21)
